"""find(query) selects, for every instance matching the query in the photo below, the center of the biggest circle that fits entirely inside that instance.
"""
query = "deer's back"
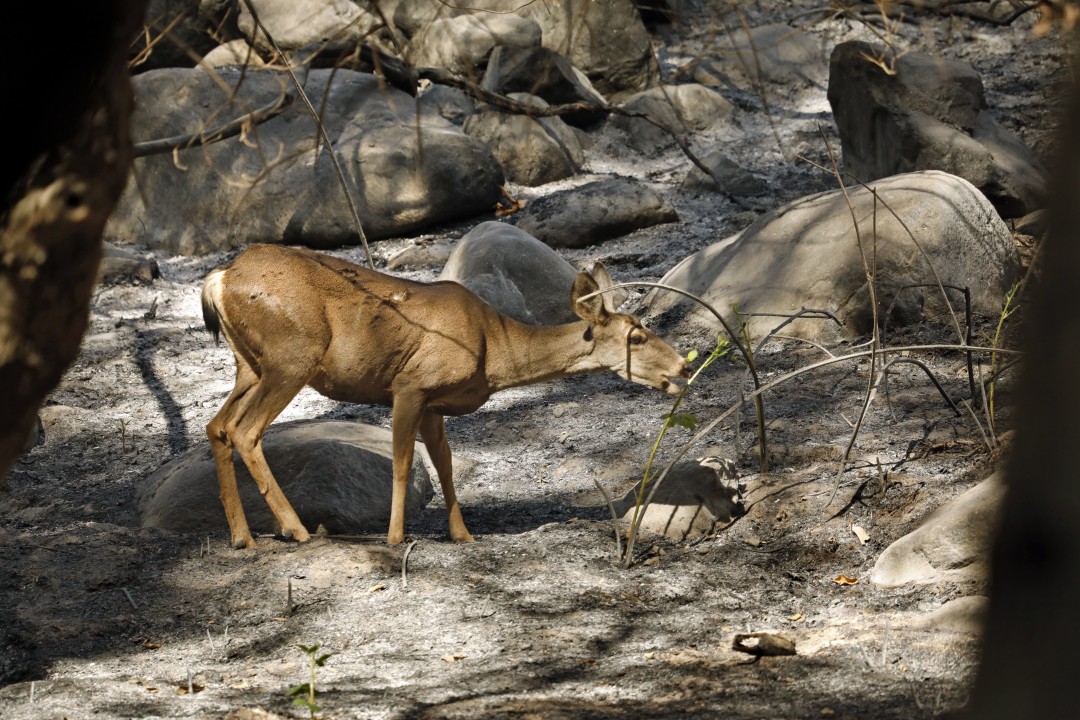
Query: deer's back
(362, 332)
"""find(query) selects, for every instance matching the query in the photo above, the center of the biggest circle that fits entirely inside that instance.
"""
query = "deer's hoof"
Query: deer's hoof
(243, 542)
(463, 538)
(299, 534)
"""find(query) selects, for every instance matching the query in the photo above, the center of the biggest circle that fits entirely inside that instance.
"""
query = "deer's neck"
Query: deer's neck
(524, 354)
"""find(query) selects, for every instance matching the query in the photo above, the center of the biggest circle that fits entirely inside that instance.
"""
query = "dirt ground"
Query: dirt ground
(103, 618)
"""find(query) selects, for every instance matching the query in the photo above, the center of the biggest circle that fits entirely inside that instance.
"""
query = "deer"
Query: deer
(296, 318)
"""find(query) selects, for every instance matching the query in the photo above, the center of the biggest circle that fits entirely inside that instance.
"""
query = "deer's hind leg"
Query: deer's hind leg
(254, 403)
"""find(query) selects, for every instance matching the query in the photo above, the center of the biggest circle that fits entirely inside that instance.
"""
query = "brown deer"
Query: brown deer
(296, 317)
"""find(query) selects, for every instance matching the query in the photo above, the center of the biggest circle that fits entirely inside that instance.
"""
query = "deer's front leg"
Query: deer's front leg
(407, 412)
(433, 430)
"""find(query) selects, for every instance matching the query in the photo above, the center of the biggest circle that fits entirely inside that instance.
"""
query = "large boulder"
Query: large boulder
(335, 474)
(546, 74)
(297, 23)
(774, 53)
(515, 273)
(677, 108)
(463, 43)
(532, 151)
(605, 38)
(594, 212)
(269, 185)
(176, 32)
(806, 255)
(952, 544)
(929, 114)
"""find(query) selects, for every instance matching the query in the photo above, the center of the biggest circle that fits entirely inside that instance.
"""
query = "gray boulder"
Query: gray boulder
(776, 53)
(296, 23)
(689, 502)
(124, 265)
(449, 103)
(515, 273)
(930, 114)
(335, 474)
(806, 255)
(463, 43)
(952, 544)
(531, 151)
(594, 212)
(546, 74)
(678, 108)
(190, 26)
(605, 38)
(727, 177)
(269, 186)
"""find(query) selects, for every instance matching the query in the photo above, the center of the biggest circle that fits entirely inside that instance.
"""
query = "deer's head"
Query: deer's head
(620, 342)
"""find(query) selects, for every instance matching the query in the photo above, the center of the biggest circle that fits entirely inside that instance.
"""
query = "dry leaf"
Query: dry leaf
(376, 588)
(845, 580)
(452, 658)
(860, 533)
(195, 688)
(796, 617)
(151, 689)
(151, 645)
(511, 206)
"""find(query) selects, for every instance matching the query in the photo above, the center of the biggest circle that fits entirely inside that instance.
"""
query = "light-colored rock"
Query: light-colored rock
(515, 273)
(268, 185)
(594, 212)
(605, 38)
(689, 502)
(335, 474)
(234, 52)
(121, 264)
(531, 151)
(929, 114)
(462, 44)
(782, 53)
(679, 108)
(952, 544)
(805, 255)
(963, 615)
(296, 23)
(727, 177)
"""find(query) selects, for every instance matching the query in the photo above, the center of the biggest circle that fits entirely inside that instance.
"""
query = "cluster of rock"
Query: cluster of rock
(931, 175)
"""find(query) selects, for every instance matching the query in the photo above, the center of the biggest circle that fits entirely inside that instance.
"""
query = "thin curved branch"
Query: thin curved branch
(221, 132)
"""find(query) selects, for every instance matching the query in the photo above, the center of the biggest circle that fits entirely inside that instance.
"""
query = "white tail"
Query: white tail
(296, 318)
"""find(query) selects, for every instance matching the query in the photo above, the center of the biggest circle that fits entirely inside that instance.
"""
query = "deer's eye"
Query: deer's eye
(637, 338)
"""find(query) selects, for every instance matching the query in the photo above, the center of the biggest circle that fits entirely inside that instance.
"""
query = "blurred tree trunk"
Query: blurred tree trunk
(66, 161)
(1031, 648)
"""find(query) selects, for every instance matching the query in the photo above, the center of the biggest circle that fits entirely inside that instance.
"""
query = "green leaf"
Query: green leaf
(304, 702)
(299, 690)
(321, 660)
(309, 649)
(691, 356)
(686, 420)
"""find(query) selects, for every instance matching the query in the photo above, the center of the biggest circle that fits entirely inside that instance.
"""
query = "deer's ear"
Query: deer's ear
(602, 277)
(592, 310)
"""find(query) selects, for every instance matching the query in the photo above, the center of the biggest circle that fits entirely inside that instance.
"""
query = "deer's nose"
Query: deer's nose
(685, 372)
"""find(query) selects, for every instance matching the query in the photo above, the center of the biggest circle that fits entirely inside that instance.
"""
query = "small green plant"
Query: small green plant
(682, 419)
(304, 695)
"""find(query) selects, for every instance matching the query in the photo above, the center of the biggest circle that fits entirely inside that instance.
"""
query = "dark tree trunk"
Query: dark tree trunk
(1033, 630)
(67, 156)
